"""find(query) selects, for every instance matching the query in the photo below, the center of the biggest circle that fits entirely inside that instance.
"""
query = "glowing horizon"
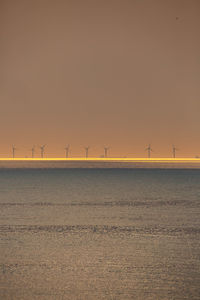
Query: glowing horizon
(125, 159)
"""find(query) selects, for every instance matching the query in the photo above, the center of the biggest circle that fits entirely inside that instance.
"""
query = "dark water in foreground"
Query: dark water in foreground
(100, 234)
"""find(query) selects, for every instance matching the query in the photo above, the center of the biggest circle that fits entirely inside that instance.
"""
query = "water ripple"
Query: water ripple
(101, 229)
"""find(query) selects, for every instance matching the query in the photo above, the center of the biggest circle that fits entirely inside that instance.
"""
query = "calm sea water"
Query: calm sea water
(100, 234)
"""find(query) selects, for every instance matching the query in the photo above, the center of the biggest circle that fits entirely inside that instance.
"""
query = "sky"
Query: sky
(117, 73)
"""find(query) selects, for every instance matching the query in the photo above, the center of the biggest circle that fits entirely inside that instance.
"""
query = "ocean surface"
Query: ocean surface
(86, 234)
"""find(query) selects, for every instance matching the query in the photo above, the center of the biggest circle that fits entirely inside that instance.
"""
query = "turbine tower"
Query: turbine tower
(13, 151)
(86, 151)
(106, 151)
(33, 151)
(149, 149)
(174, 149)
(42, 150)
(67, 151)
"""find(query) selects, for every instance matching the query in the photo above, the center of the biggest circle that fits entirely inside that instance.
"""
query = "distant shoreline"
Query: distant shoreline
(135, 163)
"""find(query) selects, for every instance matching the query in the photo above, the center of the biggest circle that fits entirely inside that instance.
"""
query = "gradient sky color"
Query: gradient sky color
(118, 73)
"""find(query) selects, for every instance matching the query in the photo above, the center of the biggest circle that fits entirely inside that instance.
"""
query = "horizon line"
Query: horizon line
(103, 159)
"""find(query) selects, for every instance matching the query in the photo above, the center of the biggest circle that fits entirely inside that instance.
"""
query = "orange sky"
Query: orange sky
(119, 73)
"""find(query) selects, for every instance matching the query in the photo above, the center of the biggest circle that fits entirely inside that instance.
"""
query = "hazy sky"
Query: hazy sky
(93, 72)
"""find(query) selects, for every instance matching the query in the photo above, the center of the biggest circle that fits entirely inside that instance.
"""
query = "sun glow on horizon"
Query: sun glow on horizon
(103, 159)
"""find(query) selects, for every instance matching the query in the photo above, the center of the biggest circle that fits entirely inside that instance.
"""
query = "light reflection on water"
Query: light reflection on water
(100, 234)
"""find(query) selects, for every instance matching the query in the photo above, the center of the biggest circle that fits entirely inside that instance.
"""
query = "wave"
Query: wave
(101, 229)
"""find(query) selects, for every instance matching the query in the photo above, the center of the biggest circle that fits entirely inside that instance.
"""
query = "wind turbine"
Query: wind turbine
(106, 151)
(13, 151)
(174, 149)
(149, 149)
(86, 151)
(42, 150)
(67, 151)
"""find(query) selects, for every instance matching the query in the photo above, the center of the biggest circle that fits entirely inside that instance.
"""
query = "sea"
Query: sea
(87, 234)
